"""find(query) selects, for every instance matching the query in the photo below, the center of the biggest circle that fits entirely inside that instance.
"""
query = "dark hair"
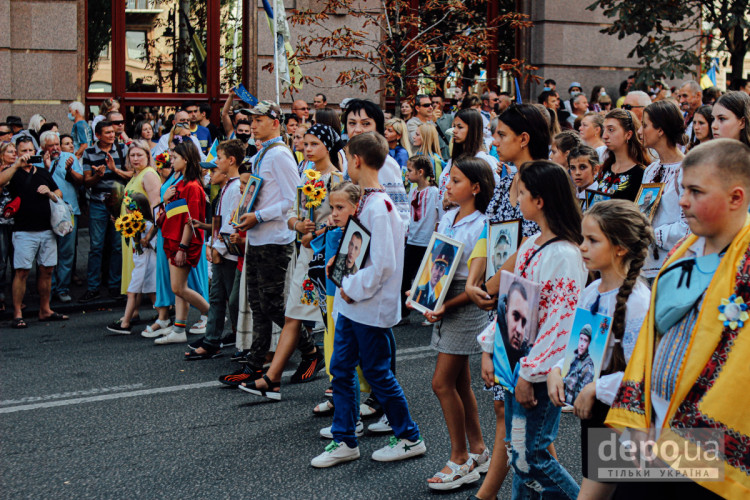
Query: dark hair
(62, 136)
(623, 88)
(479, 172)
(522, 118)
(629, 122)
(138, 131)
(424, 163)
(371, 147)
(357, 234)
(47, 126)
(547, 180)
(102, 125)
(243, 122)
(665, 115)
(470, 101)
(567, 140)
(188, 104)
(24, 139)
(143, 204)
(232, 148)
(189, 152)
(550, 81)
(290, 117)
(420, 97)
(595, 94)
(325, 99)
(474, 141)
(370, 109)
(582, 150)
(738, 103)
(205, 107)
(110, 113)
(705, 112)
(328, 117)
(545, 95)
(624, 226)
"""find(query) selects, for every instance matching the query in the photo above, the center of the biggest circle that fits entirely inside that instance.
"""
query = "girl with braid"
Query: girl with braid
(616, 237)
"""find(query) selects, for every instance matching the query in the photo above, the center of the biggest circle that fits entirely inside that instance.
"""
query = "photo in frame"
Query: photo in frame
(439, 264)
(648, 199)
(232, 248)
(160, 214)
(517, 325)
(503, 239)
(585, 352)
(352, 251)
(593, 197)
(215, 228)
(248, 198)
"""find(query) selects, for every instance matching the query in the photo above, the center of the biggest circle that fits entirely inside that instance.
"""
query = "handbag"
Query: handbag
(12, 207)
(61, 217)
(680, 288)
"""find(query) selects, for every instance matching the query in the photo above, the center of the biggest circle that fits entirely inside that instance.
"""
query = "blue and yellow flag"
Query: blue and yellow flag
(480, 249)
(177, 207)
(211, 156)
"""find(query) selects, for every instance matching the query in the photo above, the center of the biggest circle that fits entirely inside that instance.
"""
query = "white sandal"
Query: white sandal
(323, 408)
(458, 476)
(165, 328)
(482, 461)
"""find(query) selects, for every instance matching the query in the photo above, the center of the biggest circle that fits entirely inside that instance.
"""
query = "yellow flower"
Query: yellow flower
(313, 175)
(137, 215)
(320, 194)
(118, 225)
(125, 219)
(128, 232)
(308, 189)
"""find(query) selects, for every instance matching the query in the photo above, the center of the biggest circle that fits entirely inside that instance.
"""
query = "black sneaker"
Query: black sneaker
(115, 293)
(117, 327)
(245, 374)
(89, 296)
(227, 341)
(308, 367)
(238, 355)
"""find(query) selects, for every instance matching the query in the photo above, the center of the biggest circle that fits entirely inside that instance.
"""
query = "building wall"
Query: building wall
(39, 46)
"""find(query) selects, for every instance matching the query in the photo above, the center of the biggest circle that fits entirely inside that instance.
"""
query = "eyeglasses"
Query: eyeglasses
(5, 132)
(628, 107)
(180, 124)
(301, 109)
(117, 122)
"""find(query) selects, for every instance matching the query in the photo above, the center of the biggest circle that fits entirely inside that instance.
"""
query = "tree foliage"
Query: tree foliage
(670, 39)
(403, 45)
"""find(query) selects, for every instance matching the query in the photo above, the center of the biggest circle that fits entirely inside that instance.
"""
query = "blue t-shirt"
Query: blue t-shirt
(203, 136)
(400, 155)
(81, 134)
(68, 190)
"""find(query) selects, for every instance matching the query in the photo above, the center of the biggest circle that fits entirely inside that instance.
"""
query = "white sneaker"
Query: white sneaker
(171, 338)
(335, 453)
(200, 327)
(400, 449)
(165, 328)
(325, 432)
(381, 426)
(482, 461)
(567, 409)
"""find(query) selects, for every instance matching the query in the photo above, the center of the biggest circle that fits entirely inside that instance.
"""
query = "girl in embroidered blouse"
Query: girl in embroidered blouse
(470, 188)
(551, 258)
(616, 238)
(663, 130)
(622, 170)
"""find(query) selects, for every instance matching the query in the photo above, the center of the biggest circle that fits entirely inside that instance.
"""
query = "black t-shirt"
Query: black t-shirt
(215, 133)
(34, 213)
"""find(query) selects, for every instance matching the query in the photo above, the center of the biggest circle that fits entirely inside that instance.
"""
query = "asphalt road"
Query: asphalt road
(84, 414)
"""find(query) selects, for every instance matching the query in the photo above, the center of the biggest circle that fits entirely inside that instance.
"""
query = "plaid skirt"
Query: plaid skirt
(458, 330)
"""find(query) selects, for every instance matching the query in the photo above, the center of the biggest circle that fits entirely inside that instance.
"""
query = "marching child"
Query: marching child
(583, 167)
(368, 304)
(143, 280)
(470, 187)
(689, 365)
(425, 212)
(616, 237)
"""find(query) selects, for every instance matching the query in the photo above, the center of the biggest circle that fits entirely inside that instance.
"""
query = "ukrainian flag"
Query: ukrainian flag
(177, 207)
(211, 156)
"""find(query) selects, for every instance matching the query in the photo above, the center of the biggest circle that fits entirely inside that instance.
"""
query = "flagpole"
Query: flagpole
(276, 50)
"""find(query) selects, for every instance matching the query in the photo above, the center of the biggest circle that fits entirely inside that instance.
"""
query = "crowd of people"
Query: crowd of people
(252, 235)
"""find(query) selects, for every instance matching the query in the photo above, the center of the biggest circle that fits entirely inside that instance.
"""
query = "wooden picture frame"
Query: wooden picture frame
(503, 240)
(429, 289)
(593, 197)
(648, 198)
(345, 264)
(232, 248)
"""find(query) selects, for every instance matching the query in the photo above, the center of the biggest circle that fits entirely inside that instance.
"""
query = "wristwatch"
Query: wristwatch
(183, 247)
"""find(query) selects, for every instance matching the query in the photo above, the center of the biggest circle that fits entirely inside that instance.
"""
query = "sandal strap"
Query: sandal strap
(456, 470)
(271, 385)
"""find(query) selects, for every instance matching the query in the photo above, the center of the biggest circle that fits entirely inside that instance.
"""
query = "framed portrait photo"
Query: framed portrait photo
(593, 197)
(232, 248)
(503, 239)
(352, 251)
(585, 352)
(439, 264)
(648, 199)
(248, 198)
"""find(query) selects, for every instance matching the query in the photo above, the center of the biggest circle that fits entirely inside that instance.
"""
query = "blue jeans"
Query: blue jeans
(370, 347)
(537, 473)
(100, 224)
(66, 247)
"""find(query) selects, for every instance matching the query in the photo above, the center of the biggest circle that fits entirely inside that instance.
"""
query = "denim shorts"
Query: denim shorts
(30, 244)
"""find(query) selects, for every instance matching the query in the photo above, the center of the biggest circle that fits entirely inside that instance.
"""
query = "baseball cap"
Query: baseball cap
(267, 108)
(575, 84)
(208, 165)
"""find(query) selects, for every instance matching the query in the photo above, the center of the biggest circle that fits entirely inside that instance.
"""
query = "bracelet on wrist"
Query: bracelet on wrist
(183, 247)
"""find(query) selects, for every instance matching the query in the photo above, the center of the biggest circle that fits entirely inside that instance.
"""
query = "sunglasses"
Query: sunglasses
(117, 122)
(427, 105)
(300, 109)
(5, 132)
(628, 107)
(182, 124)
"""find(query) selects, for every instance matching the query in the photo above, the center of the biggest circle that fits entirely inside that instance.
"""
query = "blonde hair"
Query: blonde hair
(3, 148)
(143, 145)
(399, 126)
(351, 190)
(430, 143)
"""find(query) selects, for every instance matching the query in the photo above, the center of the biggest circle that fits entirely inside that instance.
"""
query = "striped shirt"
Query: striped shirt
(95, 157)
(670, 355)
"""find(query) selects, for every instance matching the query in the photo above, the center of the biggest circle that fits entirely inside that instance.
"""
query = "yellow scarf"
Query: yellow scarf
(711, 388)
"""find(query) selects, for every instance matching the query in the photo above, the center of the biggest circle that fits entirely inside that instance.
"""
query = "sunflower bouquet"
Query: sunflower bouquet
(129, 226)
(163, 161)
(313, 189)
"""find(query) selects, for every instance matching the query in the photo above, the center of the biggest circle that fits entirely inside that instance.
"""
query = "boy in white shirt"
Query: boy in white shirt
(369, 304)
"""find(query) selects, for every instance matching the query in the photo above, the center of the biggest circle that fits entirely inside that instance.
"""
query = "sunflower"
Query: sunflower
(137, 215)
(313, 175)
(128, 232)
(118, 225)
(308, 189)
(320, 194)
(126, 219)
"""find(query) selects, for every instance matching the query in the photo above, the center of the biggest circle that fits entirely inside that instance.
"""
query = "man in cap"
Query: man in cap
(16, 126)
(425, 294)
(581, 369)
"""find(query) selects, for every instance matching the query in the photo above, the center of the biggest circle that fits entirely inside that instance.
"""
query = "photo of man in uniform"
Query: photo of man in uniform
(502, 250)
(581, 369)
(442, 259)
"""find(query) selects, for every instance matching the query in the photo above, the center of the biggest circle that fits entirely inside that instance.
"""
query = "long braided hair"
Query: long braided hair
(624, 226)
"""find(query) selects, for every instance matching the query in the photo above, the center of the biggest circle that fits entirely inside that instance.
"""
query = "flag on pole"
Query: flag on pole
(211, 156)
(518, 91)
(709, 79)
(177, 207)
(196, 45)
(290, 73)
